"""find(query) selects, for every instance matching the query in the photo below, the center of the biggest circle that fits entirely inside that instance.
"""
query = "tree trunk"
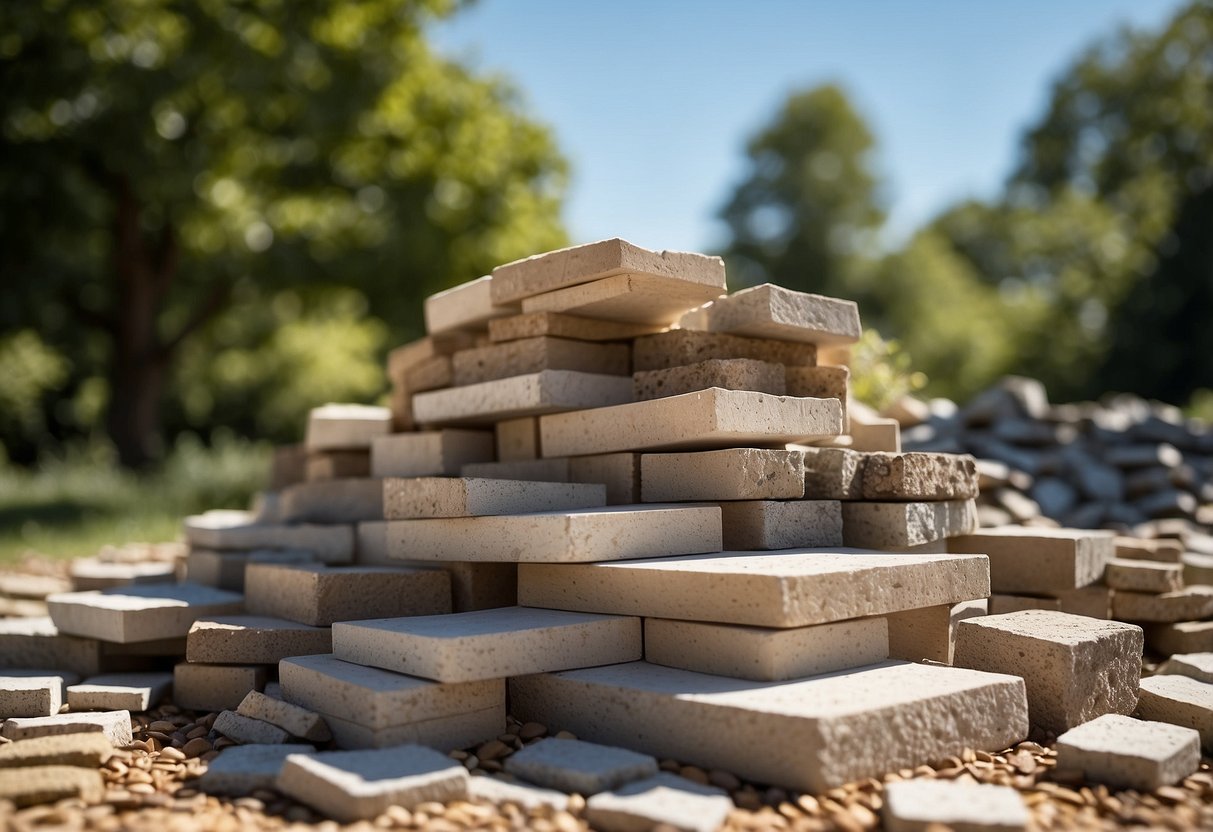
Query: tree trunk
(133, 416)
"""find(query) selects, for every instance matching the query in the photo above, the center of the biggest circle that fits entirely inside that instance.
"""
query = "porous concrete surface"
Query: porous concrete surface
(875, 525)
(533, 355)
(663, 801)
(253, 639)
(139, 612)
(727, 474)
(579, 767)
(318, 595)
(334, 427)
(558, 325)
(240, 530)
(635, 298)
(1128, 753)
(1179, 701)
(1143, 575)
(833, 474)
(215, 687)
(33, 692)
(1034, 560)
(619, 472)
(919, 476)
(134, 692)
(757, 525)
(919, 806)
(770, 311)
(115, 726)
(727, 373)
(419, 497)
(683, 347)
(548, 391)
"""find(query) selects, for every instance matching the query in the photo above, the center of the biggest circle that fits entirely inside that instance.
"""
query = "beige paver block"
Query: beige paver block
(405, 357)
(294, 720)
(896, 525)
(727, 373)
(770, 311)
(557, 325)
(225, 569)
(1198, 666)
(518, 439)
(139, 612)
(115, 726)
(335, 427)
(620, 473)
(1000, 604)
(683, 347)
(1076, 668)
(919, 476)
(579, 767)
(611, 533)
(94, 573)
(1179, 700)
(135, 692)
(921, 805)
(476, 586)
(833, 473)
(47, 784)
(765, 654)
(500, 792)
(468, 306)
(532, 470)
(794, 588)
(811, 734)
(1033, 560)
(594, 261)
(429, 453)
(1191, 603)
(214, 687)
(755, 525)
(632, 298)
(820, 383)
(1180, 637)
(431, 374)
(253, 639)
(727, 474)
(548, 391)
(334, 465)
(875, 436)
(242, 769)
(489, 644)
(427, 497)
(1127, 753)
(88, 750)
(441, 733)
(248, 731)
(333, 501)
(664, 801)
(1143, 575)
(33, 692)
(319, 595)
(708, 419)
(36, 642)
(379, 699)
(1160, 551)
(239, 530)
(929, 633)
(533, 355)
(359, 785)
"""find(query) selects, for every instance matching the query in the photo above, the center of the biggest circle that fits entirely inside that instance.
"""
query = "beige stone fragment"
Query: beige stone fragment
(1160, 551)
(225, 570)
(115, 726)
(405, 357)
(248, 731)
(532, 470)
(620, 473)
(518, 439)
(631, 298)
(663, 801)
(214, 687)
(923, 805)
(579, 767)
(1192, 603)
(242, 769)
(895, 525)
(1143, 575)
(333, 501)
(548, 391)
(294, 720)
(1198, 666)
(557, 325)
(765, 654)
(441, 733)
(33, 692)
(533, 355)
(1179, 700)
(818, 382)
(88, 750)
(35, 642)
(1076, 668)
(792, 588)
(708, 419)
(727, 474)
(770, 311)
(135, 692)
(335, 427)
(417, 497)
(757, 525)
(431, 374)
(139, 613)
(832, 473)
(809, 734)
(726, 373)
(682, 347)
(919, 476)
(1035, 560)
(1127, 753)
(253, 639)
(319, 595)
(468, 307)
(333, 465)
(929, 632)
(1181, 637)
(47, 784)
(429, 453)
(239, 530)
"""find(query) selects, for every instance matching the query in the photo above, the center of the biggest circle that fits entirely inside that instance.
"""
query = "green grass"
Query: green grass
(73, 505)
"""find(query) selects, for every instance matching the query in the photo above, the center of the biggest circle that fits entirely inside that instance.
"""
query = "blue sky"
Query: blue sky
(653, 102)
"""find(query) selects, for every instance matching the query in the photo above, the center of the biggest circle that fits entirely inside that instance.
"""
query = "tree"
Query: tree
(165, 160)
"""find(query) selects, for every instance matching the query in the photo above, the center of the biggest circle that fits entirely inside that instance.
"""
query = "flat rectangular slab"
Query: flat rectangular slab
(419, 497)
(549, 391)
(333, 501)
(708, 419)
(634, 298)
(468, 306)
(1181, 637)
(335, 427)
(1128, 753)
(242, 769)
(1181, 701)
(489, 644)
(319, 595)
(253, 639)
(727, 373)
(560, 537)
(662, 801)
(763, 589)
(917, 476)
(82, 750)
(35, 642)
(557, 325)
(140, 612)
(1039, 561)
(135, 692)
(114, 725)
(918, 805)
(442, 733)
(335, 465)
(727, 474)
(27, 693)
(1198, 666)
(578, 767)
(770, 311)
(215, 687)
(433, 453)
(765, 654)
(756, 525)
(683, 347)
(874, 525)
(240, 530)
(94, 573)
(533, 355)
(32, 785)
(1143, 575)
(249, 731)
(1191, 603)
(296, 721)
(811, 734)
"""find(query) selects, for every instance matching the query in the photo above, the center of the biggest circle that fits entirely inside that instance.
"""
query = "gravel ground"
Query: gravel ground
(149, 787)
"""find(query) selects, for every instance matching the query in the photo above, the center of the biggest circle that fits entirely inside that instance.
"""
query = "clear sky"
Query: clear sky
(653, 101)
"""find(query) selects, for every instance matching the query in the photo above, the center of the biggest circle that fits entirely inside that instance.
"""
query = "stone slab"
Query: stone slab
(333, 501)
(682, 347)
(134, 692)
(792, 588)
(338, 427)
(560, 537)
(534, 355)
(468, 307)
(810, 734)
(1180, 637)
(1076, 668)
(922, 805)
(765, 654)
(1143, 575)
(770, 311)
(28, 693)
(403, 358)
(1034, 560)
(336, 465)
(88, 750)
(431, 374)
(139, 613)
(531, 470)
(833, 473)
(248, 731)
(632, 298)
(1191, 603)
(620, 473)
(225, 569)
(755, 525)
(557, 325)
(705, 420)
(579, 767)
(489, 644)
(294, 720)
(47, 784)
(919, 476)
(319, 595)
(94, 573)
(875, 436)
(663, 801)
(590, 262)
(359, 785)
(214, 687)
(242, 769)
(929, 633)
(727, 474)
(1181, 701)
(239, 530)
(499, 792)
(1198, 666)
(426, 497)
(435, 453)
(518, 439)
(476, 586)
(440, 733)
(36, 642)
(253, 639)
(727, 373)
(548, 391)
(820, 383)
(115, 726)
(1127, 753)
(1160, 551)
(874, 525)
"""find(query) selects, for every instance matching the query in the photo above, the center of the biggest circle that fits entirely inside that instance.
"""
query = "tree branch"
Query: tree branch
(210, 307)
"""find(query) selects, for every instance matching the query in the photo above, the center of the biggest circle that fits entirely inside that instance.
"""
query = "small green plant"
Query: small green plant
(882, 371)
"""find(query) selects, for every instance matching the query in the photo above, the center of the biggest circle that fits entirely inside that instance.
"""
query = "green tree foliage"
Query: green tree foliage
(235, 183)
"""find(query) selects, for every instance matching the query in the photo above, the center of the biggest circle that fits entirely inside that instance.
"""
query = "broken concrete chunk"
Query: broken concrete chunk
(921, 805)
(135, 692)
(1179, 700)
(1128, 753)
(919, 476)
(579, 767)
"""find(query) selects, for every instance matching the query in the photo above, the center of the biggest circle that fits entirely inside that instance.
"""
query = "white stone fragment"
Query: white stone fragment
(917, 805)
(1127, 753)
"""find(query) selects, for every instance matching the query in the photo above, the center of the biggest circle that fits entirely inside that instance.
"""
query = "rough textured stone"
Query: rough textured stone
(727, 474)
(728, 373)
(620, 473)
(214, 687)
(1179, 701)
(1160, 551)
(548, 391)
(764, 654)
(921, 805)
(755, 525)
(763, 589)
(240, 530)
(47, 784)
(296, 721)
(579, 767)
(139, 613)
(634, 298)
(930, 633)
(1127, 753)
(533, 355)
(253, 639)
(518, 439)
(84, 750)
(833, 474)
(1198, 666)
(359, 785)
(468, 306)
(489, 644)
(1189, 604)
(435, 453)
(919, 476)
(811, 734)
(557, 325)
(683, 347)
(248, 731)
(1076, 668)
(32, 692)
(334, 465)
(333, 501)
(419, 497)
(35, 642)
(820, 383)
(135, 692)
(115, 726)
(225, 570)
(897, 525)
(770, 311)
(1038, 560)
(1181, 637)
(319, 595)
(663, 801)
(242, 769)
(337, 427)
(1143, 575)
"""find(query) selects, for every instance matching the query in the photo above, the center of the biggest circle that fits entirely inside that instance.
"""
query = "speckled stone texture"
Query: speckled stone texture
(579, 767)
(333, 501)
(770, 311)
(619, 472)
(728, 474)
(1192, 603)
(922, 805)
(1076, 668)
(214, 687)
(1198, 666)
(533, 355)
(919, 476)
(1179, 701)
(517, 439)
(833, 474)
(683, 347)
(332, 465)
(898, 525)
(1128, 753)
(418, 497)
(134, 692)
(663, 801)
(429, 453)
(548, 391)
(1143, 575)
(139, 612)
(557, 325)
(1039, 561)
(336, 427)
(296, 721)
(319, 595)
(468, 306)
(249, 731)
(727, 373)
(757, 525)
(85, 750)
(635, 298)
(253, 639)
